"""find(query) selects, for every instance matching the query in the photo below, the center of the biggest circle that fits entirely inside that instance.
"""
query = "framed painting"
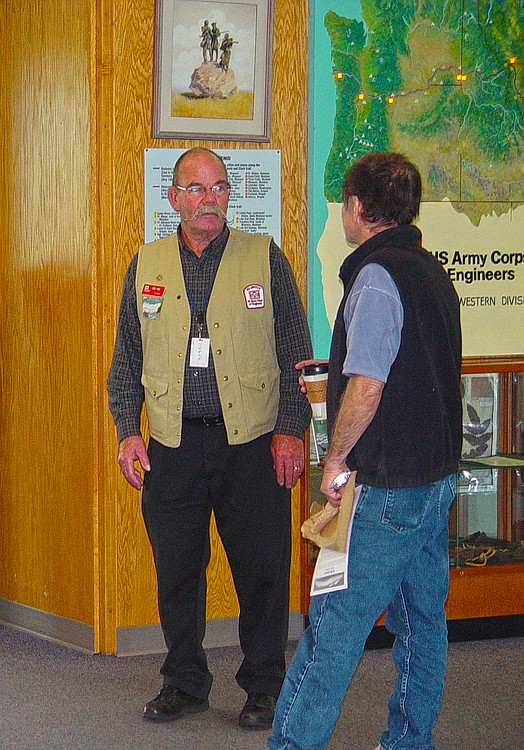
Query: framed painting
(212, 72)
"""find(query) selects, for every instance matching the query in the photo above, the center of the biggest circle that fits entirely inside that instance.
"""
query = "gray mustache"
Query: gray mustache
(209, 210)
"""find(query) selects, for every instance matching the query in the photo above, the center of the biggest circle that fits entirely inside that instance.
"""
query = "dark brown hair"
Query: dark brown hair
(388, 186)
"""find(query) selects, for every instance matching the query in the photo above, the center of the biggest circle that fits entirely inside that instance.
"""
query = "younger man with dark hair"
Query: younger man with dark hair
(394, 414)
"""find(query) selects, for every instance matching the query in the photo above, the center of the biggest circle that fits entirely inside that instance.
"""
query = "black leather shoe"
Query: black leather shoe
(258, 711)
(172, 703)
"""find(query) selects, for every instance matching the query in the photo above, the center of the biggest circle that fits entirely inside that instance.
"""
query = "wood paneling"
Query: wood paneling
(128, 55)
(486, 592)
(46, 483)
(76, 91)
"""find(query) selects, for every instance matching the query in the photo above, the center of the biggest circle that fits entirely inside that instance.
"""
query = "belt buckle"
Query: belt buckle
(212, 421)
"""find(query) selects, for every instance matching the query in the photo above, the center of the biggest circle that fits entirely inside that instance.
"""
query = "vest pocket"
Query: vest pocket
(260, 396)
(156, 403)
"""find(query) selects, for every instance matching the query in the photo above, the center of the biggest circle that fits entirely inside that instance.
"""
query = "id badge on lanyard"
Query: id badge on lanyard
(199, 353)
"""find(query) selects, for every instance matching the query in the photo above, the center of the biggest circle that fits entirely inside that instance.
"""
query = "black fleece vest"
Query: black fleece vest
(415, 437)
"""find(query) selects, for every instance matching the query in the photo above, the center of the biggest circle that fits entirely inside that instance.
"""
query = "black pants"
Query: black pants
(252, 514)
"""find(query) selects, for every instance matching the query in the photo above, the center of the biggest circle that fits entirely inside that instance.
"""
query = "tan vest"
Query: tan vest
(240, 326)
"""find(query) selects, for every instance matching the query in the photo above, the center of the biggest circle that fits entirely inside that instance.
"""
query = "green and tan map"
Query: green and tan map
(442, 82)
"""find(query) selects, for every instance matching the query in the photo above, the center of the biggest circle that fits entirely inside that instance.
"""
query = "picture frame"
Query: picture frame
(212, 69)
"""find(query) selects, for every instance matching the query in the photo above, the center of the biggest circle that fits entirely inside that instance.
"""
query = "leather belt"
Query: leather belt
(209, 421)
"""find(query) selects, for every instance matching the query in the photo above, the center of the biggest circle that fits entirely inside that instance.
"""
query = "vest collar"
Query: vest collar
(405, 235)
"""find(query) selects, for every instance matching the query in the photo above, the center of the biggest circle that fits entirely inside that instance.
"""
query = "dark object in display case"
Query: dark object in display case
(478, 550)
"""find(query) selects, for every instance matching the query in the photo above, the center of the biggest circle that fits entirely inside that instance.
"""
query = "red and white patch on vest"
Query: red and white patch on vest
(254, 296)
(153, 290)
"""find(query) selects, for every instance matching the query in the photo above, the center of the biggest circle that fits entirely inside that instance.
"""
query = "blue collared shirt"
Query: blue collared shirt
(374, 317)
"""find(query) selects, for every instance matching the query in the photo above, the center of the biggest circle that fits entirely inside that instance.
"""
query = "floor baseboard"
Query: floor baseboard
(474, 629)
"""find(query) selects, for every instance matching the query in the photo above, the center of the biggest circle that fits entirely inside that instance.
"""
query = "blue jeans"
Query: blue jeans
(398, 561)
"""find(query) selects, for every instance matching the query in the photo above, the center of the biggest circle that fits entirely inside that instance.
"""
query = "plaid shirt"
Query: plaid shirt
(292, 339)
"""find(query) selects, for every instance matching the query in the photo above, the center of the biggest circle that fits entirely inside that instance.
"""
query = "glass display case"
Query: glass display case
(486, 549)
(485, 527)
(486, 521)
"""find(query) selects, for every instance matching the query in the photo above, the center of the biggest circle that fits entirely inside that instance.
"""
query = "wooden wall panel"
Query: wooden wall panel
(46, 482)
(130, 118)
(76, 89)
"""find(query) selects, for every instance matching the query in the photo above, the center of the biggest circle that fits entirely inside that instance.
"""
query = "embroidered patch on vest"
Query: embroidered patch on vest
(154, 290)
(152, 298)
(254, 296)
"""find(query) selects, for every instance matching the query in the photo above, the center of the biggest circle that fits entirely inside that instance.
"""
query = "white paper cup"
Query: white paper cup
(315, 377)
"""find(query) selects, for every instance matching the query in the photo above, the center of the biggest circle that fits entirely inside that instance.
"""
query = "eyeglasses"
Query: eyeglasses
(221, 188)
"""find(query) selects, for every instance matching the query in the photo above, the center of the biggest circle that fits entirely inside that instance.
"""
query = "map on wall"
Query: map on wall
(443, 83)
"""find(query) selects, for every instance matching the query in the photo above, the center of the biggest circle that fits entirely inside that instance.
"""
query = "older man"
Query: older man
(210, 327)
(394, 411)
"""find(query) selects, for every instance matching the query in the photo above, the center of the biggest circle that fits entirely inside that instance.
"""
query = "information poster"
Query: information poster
(254, 203)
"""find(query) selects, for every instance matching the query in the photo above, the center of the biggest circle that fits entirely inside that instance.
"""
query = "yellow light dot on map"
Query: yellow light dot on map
(361, 97)
(513, 60)
(390, 100)
(338, 75)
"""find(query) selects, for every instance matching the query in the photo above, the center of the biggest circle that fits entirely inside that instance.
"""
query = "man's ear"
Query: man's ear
(172, 197)
(357, 207)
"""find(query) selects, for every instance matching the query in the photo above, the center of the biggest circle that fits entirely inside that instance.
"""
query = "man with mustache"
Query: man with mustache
(210, 326)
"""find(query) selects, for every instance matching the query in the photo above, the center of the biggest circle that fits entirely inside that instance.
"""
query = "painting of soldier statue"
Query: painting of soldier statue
(212, 73)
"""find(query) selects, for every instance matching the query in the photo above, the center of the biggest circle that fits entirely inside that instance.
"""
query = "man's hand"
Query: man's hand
(288, 458)
(133, 449)
(306, 363)
(332, 469)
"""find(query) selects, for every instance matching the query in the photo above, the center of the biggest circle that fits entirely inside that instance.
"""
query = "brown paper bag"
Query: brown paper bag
(329, 527)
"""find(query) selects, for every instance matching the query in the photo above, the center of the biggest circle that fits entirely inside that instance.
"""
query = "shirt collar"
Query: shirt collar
(215, 247)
